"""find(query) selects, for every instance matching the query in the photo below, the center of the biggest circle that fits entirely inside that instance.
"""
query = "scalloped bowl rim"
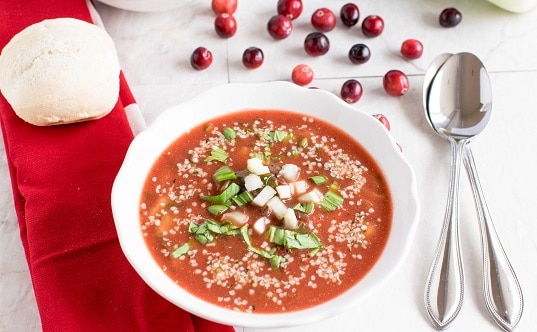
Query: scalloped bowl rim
(232, 97)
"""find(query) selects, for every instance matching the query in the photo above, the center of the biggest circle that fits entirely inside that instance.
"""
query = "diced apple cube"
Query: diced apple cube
(314, 196)
(264, 196)
(260, 225)
(277, 207)
(255, 166)
(284, 191)
(299, 187)
(237, 218)
(252, 182)
(290, 172)
(289, 219)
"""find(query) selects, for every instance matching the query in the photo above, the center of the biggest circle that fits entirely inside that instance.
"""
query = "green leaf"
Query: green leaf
(224, 196)
(224, 173)
(277, 136)
(275, 260)
(217, 209)
(292, 239)
(181, 250)
(207, 231)
(318, 179)
(229, 133)
(305, 207)
(217, 154)
(331, 201)
(243, 198)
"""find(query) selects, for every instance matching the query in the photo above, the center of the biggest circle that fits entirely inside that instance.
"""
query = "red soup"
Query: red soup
(266, 211)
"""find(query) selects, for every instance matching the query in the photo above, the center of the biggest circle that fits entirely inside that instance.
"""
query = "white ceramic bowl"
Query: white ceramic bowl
(367, 130)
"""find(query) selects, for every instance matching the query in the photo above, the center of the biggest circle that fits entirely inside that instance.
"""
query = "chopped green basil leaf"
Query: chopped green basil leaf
(275, 260)
(207, 231)
(318, 179)
(304, 142)
(277, 136)
(217, 209)
(217, 154)
(304, 207)
(293, 240)
(224, 196)
(243, 198)
(229, 133)
(331, 201)
(224, 173)
(181, 250)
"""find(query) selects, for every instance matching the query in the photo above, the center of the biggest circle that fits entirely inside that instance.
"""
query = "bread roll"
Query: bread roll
(60, 71)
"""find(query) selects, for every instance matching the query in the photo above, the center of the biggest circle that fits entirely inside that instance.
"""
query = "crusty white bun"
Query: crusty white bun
(60, 71)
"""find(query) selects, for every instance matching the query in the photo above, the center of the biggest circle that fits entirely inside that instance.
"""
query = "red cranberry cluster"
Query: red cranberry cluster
(316, 43)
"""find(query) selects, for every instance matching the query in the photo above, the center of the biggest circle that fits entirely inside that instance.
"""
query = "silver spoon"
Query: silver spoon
(444, 291)
(502, 292)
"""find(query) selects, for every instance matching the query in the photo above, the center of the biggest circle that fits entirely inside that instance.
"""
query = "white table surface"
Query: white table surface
(154, 50)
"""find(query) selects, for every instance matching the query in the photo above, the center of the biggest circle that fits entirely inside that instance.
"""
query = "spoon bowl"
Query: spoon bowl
(459, 101)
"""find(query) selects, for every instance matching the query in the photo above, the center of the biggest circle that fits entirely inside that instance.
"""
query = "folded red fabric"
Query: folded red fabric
(61, 178)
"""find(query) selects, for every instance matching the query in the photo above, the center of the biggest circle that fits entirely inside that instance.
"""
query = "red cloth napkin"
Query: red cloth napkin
(61, 178)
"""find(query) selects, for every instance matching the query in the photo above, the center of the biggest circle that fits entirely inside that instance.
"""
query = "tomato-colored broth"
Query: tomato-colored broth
(244, 270)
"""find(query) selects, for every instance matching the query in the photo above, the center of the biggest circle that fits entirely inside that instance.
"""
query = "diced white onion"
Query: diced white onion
(252, 182)
(289, 219)
(284, 191)
(260, 225)
(290, 172)
(277, 207)
(255, 166)
(314, 196)
(237, 218)
(264, 195)
(299, 187)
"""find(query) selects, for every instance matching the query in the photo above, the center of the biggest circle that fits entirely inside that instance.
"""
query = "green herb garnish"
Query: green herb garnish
(318, 179)
(224, 196)
(277, 136)
(276, 261)
(207, 231)
(217, 209)
(181, 250)
(224, 173)
(293, 240)
(243, 198)
(229, 133)
(217, 154)
(331, 201)
(304, 207)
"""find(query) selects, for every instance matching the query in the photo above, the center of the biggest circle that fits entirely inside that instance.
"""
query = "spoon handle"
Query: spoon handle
(503, 295)
(444, 291)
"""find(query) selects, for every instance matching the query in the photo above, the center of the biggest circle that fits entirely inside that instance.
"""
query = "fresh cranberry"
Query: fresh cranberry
(290, 8)
(302, 75)
(350, 14)
(280, 26)
(323, 19)
(316, 43)
(351, 91)
(372, 26)
(252, 57)
(383, 119)
(450, 17)
(412, 49)
(201, 58)
(359, 53)
(395, 83)
(225, 25)
(224, 6)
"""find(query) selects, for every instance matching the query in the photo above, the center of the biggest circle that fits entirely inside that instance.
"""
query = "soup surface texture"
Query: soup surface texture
(266, 211)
